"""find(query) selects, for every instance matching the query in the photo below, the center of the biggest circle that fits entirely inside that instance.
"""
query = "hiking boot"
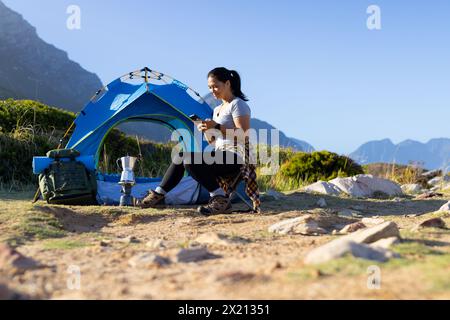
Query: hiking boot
(151, 200)
(216, 205)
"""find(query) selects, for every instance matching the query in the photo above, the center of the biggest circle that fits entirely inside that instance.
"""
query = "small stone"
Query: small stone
(194, 254)
(148, 260)
(105, 243)
(304, 225)
(321, 203)
(385, 230)
(352, 227)
(431, 223)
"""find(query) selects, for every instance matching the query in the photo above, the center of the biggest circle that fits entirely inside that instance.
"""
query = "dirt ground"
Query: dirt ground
(85, 252)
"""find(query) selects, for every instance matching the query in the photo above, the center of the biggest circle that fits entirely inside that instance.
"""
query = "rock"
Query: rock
(372, 221)
(14, 262)
(304, 225)
(436, 181)
(384, 230)
(432, 174)
(352, 227)
(412, 188)
(323, 187)
(216, 238)
(347, 213)
(445, 207)
(321, 203)
(194, 254)
(105, 243)
(148, 260)
(351, 187)
(339, 247)
(431, 223)
(365, 185)
(385, 243)
(428, 195)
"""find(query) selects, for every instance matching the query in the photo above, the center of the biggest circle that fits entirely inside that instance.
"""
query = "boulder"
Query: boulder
(305, 225)
(364, 185)
(323, 187)
(412, 188)
(340, 247)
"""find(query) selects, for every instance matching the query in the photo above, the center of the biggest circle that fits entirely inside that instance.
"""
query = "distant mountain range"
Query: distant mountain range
(435, 154)
(33, 69)
(30, 68)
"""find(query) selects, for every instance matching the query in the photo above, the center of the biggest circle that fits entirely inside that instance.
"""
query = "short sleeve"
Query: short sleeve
(240, 109)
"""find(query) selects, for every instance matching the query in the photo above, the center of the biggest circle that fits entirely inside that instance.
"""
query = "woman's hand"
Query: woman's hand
(206, 125)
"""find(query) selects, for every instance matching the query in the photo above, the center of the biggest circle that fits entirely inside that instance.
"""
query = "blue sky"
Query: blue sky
(311, 68)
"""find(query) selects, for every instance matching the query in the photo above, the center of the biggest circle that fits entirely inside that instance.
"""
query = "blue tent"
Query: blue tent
(143, 95)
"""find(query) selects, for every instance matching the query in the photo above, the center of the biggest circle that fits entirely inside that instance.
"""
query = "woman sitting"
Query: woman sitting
(232, 118)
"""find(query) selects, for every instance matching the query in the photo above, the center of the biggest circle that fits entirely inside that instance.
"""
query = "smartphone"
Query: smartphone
(194, 117)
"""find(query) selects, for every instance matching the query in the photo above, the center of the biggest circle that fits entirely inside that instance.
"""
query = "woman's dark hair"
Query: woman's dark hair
(223, 75)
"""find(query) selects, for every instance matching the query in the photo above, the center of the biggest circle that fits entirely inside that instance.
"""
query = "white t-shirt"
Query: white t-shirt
(234, 109)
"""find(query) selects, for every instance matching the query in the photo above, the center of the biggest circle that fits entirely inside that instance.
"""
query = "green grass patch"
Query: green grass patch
(27, 225)
(64, 244)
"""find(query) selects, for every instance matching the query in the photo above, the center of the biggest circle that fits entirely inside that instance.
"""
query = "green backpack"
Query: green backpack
(67, 182)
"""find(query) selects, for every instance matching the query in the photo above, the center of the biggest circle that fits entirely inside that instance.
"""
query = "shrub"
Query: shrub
(318, 165)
